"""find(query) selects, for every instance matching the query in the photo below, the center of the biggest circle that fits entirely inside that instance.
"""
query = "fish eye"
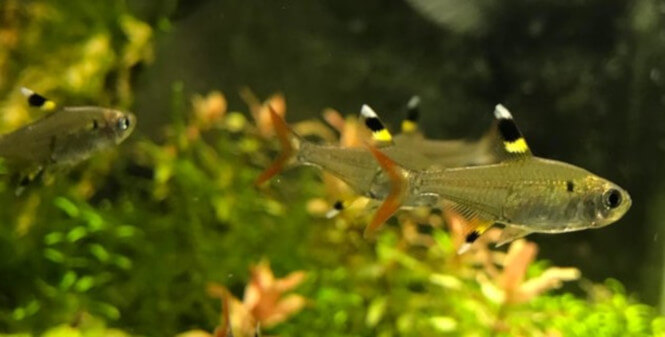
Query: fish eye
(612, 198)
(123, 123)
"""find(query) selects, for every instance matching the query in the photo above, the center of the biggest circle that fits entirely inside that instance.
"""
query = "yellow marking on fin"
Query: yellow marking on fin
(382, 135)
(409, 126)
(477, 228)
(517, 146)
(49, 106)
(484, 226)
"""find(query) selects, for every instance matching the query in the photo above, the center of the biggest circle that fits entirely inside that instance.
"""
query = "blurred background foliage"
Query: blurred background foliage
(129, 242)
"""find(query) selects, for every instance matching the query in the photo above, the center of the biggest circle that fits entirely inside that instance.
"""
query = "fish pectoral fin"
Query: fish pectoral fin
(381, 136)
(27, 176)
(398, 188)
(511, 144)
(511, 233)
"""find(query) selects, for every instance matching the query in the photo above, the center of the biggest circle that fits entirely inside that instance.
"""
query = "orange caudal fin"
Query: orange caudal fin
(289, 142)
(397, 190)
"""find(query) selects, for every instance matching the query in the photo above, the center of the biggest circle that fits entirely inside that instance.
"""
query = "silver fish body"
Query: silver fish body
(66, 137)
(538, 194)
(356, 166)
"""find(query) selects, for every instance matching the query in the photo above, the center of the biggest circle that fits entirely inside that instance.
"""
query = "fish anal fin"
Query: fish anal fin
(27, 177)
(340, 205)
(471, 223)
(512, 145)
(511, 233)
(398, 187)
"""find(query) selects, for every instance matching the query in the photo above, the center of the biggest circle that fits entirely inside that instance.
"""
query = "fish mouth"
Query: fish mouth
(121, 135)
(132, 121)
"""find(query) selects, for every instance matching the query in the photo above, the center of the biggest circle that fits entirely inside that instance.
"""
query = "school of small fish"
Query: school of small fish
(494, 180)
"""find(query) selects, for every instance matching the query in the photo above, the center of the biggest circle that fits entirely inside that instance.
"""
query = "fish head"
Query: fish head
(119, 124)
(604, 202)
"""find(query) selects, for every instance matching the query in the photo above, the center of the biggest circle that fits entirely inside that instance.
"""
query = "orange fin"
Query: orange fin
(284, 134)
(396, 195)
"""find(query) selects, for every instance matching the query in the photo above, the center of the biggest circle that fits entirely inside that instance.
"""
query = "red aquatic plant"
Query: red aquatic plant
(265, 303)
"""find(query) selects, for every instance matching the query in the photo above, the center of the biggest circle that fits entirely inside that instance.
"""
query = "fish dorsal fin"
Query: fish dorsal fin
(513, 146)
(398, 188)
(38, 101)
(380, 134)
(475, 223)
(410, 123)
(511, 233)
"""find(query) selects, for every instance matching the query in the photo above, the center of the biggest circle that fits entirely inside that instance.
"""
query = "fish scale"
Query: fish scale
(530, 191)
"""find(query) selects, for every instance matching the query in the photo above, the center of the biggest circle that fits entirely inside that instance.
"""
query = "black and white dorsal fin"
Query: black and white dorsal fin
(380, 134)
(410, 123)
(514, 145)
(37, 100)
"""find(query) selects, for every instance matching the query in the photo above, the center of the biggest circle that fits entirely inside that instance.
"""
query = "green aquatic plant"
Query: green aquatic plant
(69, 49)
(135, 239)
(128, 243)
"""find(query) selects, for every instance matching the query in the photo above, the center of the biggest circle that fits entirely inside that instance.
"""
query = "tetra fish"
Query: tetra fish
(524, 193)
(63, 138)
(357, 168)
(445, 153)
(354, 166)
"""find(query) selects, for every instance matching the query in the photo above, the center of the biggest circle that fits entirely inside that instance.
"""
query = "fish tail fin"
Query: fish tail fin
(410, 123)
(290, 143)
(399, 186)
